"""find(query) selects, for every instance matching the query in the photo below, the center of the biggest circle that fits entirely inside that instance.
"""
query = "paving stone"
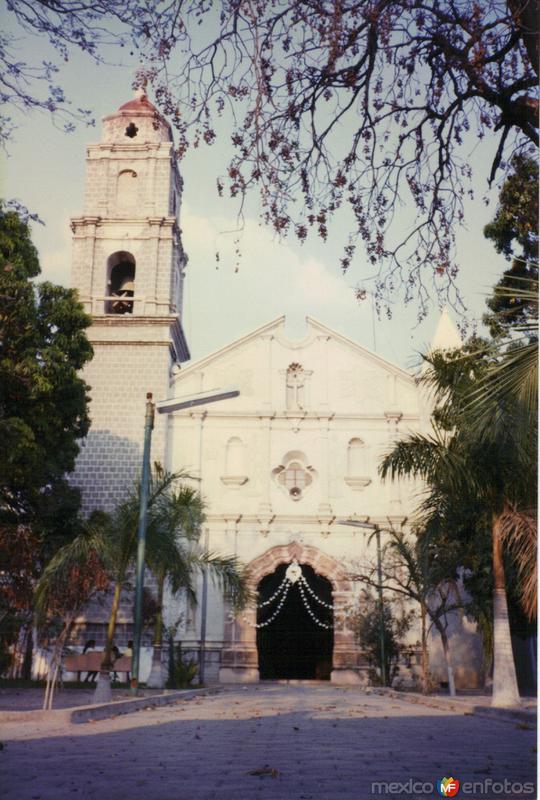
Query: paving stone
(207, 749)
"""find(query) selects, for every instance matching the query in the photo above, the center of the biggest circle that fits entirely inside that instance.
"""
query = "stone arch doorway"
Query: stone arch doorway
(240, 656)
(295, 645)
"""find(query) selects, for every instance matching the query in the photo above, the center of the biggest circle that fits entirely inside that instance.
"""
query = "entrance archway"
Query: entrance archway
(295, 644)
(240, 656)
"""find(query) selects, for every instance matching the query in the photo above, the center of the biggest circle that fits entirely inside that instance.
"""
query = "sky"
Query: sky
(44, 168)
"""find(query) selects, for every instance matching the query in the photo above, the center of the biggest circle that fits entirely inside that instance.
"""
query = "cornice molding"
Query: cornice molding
(102, 222)
(245, 523)
(131, 320)
(311, 416)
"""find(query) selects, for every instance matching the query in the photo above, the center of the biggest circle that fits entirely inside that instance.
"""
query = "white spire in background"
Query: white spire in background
(446, 336)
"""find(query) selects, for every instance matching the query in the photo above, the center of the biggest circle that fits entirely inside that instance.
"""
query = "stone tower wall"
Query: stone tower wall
(133, 352)
(119, 377)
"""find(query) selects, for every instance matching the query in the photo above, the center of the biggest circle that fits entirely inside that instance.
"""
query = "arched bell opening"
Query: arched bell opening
(120, 283)
(295, 635)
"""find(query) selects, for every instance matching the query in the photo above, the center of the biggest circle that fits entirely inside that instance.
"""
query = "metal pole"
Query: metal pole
(204, 603)
(381, 606)
(141, 542)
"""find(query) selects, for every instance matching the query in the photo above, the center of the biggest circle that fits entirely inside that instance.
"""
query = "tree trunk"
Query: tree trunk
(103, 692)
(55, 665)
(425, 654)
(28, 653)
(446, 652)
(106, 664)
(505, 688)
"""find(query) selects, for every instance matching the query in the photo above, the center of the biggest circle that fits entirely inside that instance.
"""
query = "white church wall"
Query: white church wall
(336, 394)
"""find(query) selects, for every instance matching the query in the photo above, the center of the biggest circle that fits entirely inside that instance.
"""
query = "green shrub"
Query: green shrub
(181, 672)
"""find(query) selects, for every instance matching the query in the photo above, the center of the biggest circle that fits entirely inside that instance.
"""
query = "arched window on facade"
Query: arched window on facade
(357, 464)
(120, 289)
(235, 467)
(126, 189)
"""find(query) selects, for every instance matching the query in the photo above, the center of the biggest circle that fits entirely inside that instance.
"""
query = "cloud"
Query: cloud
(53, 242)
(273, 278)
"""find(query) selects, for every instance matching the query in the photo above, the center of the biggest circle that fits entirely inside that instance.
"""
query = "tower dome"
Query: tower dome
(137, 121)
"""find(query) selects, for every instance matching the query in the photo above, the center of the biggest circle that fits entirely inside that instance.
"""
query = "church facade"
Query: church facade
(280, 467)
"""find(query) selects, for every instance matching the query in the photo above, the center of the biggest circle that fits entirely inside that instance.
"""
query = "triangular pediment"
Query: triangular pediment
(340, 374)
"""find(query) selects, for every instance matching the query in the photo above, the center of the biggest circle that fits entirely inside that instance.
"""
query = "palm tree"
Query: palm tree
(173, 553)
(462, 466)
(513, 375)
(512, 380)
(178, 516)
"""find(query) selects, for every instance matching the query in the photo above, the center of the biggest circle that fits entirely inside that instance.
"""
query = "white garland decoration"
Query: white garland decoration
(315, 619)
(315, 597)
(283, 590)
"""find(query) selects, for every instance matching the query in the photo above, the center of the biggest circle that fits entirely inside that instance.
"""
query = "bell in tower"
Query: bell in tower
(121, 284)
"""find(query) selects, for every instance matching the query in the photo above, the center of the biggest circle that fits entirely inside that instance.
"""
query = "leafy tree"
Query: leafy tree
(18, 549)
(370, 106)
(366, 623)
(514, 232)
(415, 569)
(462, 467)
(43, 409)
(511, 378)
(43, 401)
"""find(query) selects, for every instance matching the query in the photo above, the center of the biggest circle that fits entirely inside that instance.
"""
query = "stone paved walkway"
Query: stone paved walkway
(30, 699)
(260, 742)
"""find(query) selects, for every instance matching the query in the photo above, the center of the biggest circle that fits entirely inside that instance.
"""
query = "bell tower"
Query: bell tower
(128, 265)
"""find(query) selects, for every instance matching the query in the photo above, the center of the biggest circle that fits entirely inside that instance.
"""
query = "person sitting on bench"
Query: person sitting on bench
(115, 655)
(89, 647)
(129, 653)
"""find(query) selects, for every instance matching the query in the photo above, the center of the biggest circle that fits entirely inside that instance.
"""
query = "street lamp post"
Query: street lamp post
(141, 541)
(381, 606)
(377, 531)
(162, 407)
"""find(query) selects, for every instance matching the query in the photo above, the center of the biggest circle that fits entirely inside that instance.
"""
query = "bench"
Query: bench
(91, 662)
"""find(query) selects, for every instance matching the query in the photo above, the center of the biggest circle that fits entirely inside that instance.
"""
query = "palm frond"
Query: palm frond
(416, 455)
(519, 532)
(230, 575)
(513, 379)
(84, 556)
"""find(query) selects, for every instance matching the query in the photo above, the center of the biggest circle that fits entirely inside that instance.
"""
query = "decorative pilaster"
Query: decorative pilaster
(265, 506)
(324, 505)
(393, 418)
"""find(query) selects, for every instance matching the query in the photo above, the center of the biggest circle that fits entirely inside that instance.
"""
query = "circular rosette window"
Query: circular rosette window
(293, 476)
